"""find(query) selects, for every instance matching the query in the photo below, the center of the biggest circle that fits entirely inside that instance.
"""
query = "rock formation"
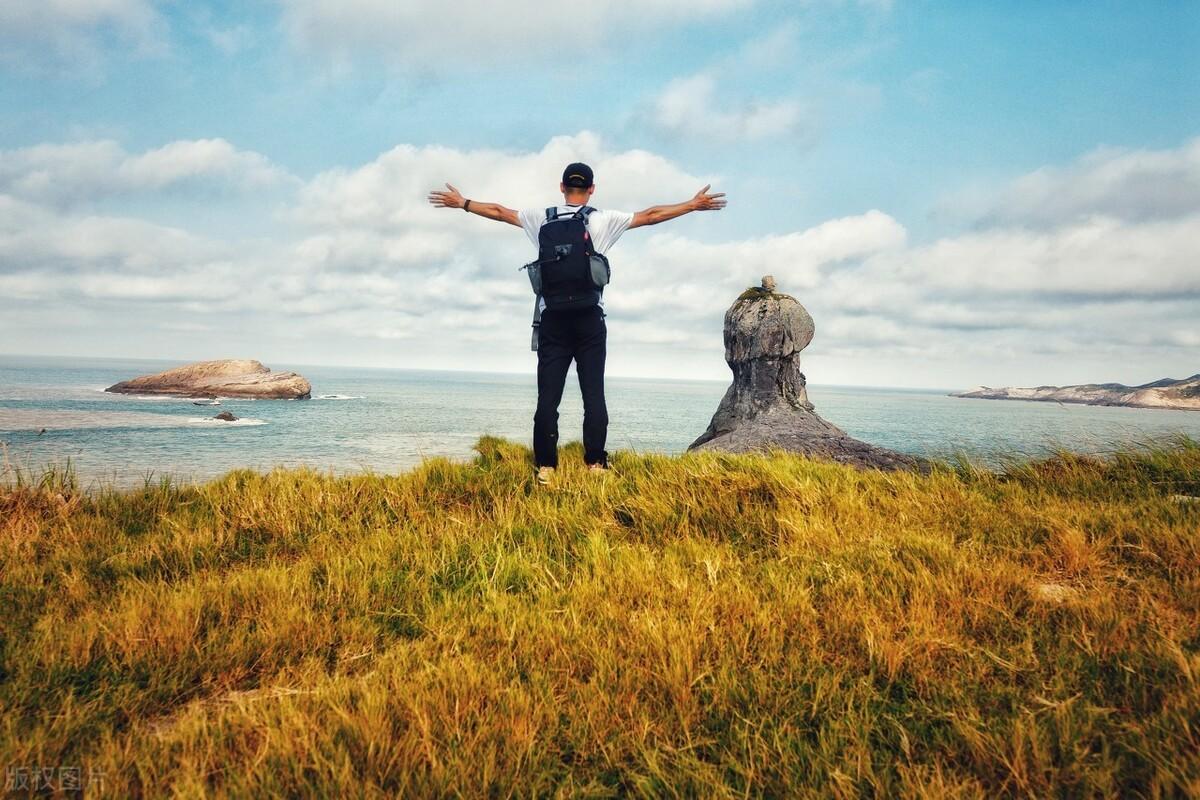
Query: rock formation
(767, 407)
(1165, 393)
(228, 378)
(226, 416)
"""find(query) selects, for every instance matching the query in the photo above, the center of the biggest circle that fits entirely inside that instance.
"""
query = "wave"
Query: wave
(338, 397)
(162, 397)
(34, 420)
(31, 419)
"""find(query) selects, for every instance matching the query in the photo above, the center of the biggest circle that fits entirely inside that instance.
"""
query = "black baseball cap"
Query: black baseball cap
(577, 175)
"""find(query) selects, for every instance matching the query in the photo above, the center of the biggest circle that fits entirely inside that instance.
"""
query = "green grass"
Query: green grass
(695, 626)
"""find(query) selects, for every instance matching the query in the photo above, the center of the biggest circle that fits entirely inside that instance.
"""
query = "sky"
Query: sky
(960, 193)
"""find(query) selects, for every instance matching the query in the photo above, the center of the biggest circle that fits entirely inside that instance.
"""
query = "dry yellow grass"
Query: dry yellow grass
(696, 626)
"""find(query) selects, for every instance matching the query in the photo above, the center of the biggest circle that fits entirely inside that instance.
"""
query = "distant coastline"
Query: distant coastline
(1168, 393)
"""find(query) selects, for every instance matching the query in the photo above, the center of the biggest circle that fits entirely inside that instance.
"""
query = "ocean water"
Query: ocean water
(389, 420)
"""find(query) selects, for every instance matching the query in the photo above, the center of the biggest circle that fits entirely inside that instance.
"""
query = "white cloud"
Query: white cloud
(1099, 256)
(84, 172)
(230, 40)
(373, 237)
(65, 255)
(472, 33)
(689, 107)
(183, 160)
(767, 52)
(75, 31)
(1125, 184)
(374, 269)
(689, 279)
(391, 190)
(377, 262)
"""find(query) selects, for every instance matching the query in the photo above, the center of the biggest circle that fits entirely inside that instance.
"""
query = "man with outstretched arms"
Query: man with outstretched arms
(569, 276)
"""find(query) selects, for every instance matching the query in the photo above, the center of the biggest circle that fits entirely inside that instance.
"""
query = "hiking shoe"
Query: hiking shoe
(545, 475)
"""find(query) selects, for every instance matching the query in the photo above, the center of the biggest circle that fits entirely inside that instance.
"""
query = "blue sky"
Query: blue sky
(961, 193)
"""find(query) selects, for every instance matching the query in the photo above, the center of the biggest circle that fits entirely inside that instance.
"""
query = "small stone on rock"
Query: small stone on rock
(768, 282)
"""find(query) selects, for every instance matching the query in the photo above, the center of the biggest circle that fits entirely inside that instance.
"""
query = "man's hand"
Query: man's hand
(703, 201)
(450, 199)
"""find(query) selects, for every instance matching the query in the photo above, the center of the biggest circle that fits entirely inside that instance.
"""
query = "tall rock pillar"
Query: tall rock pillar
(767, 407)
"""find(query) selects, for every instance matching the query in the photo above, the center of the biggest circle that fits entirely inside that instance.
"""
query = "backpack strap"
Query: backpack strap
(551, 213)
(537, 322)
(583, 214)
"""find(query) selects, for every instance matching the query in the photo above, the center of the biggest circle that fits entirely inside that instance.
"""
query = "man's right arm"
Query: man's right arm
(703, 201)
(454, 199)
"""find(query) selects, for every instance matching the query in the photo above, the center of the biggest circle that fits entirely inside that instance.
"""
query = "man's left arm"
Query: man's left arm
(452, 198)
(703, 201)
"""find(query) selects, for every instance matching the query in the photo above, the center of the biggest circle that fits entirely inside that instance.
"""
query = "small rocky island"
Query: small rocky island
(1165, 393)
(226, 378)
(767, 407)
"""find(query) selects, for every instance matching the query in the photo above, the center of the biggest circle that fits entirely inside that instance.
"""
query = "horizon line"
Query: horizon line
(465, 371)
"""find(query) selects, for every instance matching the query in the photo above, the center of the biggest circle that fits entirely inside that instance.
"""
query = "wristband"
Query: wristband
(467, 206)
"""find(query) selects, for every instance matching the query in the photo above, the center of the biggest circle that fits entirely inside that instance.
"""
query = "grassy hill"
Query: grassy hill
(703, 625)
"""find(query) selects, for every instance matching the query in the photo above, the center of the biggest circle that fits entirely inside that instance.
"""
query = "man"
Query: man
(574, 333)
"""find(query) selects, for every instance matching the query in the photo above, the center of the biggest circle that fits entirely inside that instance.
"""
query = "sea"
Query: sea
(54, 412)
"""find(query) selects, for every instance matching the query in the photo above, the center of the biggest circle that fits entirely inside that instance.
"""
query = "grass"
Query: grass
(755, 292)
(694, 626)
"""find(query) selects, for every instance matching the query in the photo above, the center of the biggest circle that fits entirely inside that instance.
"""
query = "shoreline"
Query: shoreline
(66, 474)
(1064, 402)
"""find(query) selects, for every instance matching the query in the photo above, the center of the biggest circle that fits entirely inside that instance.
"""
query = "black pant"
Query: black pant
(578, 334)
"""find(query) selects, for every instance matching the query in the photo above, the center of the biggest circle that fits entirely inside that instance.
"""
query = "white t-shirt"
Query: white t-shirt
(605, 227)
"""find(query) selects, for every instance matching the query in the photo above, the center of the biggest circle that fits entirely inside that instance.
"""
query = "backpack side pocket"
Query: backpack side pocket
(534, 270)
(600, 271)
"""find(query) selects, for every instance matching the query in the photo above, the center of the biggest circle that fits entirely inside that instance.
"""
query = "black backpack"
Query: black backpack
(565, 260)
